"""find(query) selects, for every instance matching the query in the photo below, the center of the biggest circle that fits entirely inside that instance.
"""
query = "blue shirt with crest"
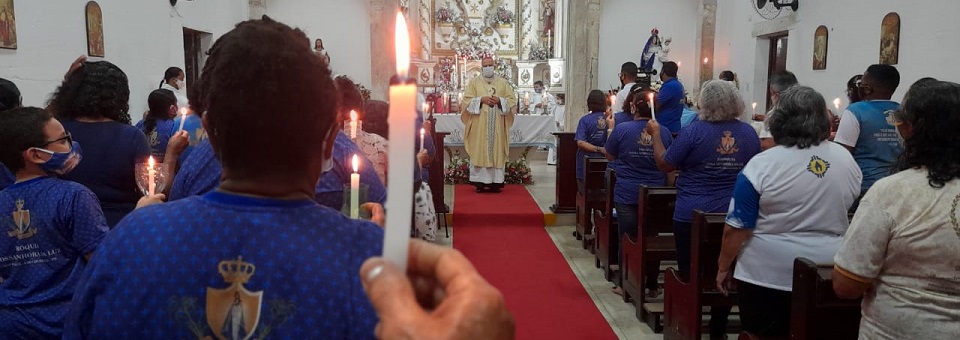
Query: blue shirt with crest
(159, 136)
(709, 156)
(634, 162)
(228, 266)
(49, 225)
(591, 129)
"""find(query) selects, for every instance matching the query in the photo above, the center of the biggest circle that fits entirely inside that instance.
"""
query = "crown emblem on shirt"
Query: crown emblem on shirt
(21, 220)
(236, 271)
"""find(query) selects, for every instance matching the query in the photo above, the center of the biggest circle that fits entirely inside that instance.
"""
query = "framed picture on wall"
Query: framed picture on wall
(820, 39)
(94, 30)
(890, 39)
(8, 25)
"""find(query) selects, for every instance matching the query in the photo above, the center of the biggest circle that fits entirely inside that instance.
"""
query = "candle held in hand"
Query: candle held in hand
(653, 115)
(355, 189)
(353, 124)
(401, 158)
(151, 176)
(613, 102)
(183, 118)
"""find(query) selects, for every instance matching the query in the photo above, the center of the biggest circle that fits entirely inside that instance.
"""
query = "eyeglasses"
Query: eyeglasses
(893, 117)
(67, 137)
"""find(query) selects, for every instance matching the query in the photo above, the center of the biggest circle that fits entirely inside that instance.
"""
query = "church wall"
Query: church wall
(344, 27)
(143, 38)
(625, 27)
(928, 43)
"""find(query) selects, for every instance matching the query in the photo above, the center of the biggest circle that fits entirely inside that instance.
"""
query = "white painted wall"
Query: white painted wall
(928, 42)
(625, 26)
(143, 38)
(344, 26)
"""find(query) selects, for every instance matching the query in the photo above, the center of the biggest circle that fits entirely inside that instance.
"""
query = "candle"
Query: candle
(151, 176)
(353, 124)
(460, 97)
(526, 98)
(653, 115)
(754, 108)
(679, 64)
(401, 119)
(613, 101)
(422, 132)
(836, 103)
(706, 60)
(183, 118)
(355, 189)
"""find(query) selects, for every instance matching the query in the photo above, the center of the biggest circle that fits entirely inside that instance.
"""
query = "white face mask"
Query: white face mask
(181, 85)
(488, 71)
(327, 162)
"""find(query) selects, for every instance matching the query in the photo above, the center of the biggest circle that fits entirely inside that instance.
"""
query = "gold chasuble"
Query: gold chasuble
(487, 128)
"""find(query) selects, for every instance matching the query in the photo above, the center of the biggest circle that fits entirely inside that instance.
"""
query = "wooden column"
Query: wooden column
(566, 186)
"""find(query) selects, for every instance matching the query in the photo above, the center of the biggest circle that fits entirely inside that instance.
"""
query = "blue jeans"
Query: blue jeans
(718, 314)
(628, 224)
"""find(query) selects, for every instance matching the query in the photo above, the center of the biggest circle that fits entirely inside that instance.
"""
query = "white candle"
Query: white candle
(355, 189)
(526, 98)
(403, 105)
(613, 102)
(653, 115)
(422, 132)
(151, 176)
(183, 118)
(460, 98)
(754, 108)
(353, 124)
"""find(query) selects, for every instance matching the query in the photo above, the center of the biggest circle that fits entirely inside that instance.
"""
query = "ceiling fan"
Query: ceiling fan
(775, 7)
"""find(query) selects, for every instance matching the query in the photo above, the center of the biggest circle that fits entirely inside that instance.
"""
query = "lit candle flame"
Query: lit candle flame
(151, 162)
(836, 103)
(613, 100)
(706, 60)
(356, 163)
(353, 115)
(422, 132)
(402, 46)
(754, 105)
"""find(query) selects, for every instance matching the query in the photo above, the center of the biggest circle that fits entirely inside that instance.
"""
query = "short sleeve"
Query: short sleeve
(865, 244)
(582, 132)
(87, 225)
(666, 137)
(681, 147)
(848, 133)
(745, 204)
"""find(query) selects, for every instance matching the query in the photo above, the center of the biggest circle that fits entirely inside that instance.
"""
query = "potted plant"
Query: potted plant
(503, 20)
(444, 18)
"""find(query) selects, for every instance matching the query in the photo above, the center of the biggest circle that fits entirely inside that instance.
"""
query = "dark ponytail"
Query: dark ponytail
(159, 103)
(171, 72)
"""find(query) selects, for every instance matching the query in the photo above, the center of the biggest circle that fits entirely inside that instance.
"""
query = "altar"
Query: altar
(527, 130)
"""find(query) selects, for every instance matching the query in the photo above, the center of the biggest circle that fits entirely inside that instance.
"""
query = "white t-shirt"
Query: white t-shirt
(848, 132)
(182, 101)
(622, 96)
(795, 201)
(906, 238)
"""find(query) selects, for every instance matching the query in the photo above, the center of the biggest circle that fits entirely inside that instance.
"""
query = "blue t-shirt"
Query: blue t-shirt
(111, 151)
(634, 163)
(622, 117)
(49, 225)
(193, 126)
(877, 147)
(670, 98)
(330, 188)
(7, 178)
(196, 267)
(591, 129)
(158, 138)
(709, 156)
(199, 173)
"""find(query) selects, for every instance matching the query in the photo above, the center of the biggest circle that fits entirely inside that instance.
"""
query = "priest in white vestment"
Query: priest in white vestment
(541, 103)
(487, 118)
(559, 114)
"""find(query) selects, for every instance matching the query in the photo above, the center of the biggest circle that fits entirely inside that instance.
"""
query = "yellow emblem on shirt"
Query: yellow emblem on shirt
(21, 220)
(818, 166)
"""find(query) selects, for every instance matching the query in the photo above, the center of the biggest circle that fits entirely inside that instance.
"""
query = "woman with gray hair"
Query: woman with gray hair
(789, 201)
(709, 153)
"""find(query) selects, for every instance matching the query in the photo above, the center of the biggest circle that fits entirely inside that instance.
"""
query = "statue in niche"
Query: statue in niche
(547, 19)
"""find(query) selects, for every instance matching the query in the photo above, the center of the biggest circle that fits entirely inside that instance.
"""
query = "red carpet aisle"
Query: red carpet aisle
(503, 235)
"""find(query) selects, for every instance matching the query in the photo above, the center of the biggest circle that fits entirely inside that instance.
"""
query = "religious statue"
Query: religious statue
(654, 52)
(547, 18)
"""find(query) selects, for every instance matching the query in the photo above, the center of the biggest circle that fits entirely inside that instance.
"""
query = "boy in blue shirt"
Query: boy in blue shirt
(257, 257)
(50, 226)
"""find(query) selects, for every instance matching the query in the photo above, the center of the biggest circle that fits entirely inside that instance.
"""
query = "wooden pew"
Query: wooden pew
(816, 312)
(590, 199)
(608, 242)
(654, 242)
(685, 298)
(566, 185)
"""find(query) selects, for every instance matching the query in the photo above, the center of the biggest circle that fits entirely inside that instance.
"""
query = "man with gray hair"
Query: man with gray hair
(778, 83)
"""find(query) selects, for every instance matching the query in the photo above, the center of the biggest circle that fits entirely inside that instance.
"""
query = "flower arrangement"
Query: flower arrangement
(457, 171)
(518, 172)
(537, 52)
(474, 53)
(503, 17)
(444, 15)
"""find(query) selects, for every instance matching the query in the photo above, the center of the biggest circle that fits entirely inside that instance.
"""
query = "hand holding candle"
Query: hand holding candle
(401, 119)
(151, 177)
(355, 189)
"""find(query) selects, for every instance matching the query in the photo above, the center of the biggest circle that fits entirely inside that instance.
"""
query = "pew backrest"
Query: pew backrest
(655, 208)
(816, 311)
(707, 239)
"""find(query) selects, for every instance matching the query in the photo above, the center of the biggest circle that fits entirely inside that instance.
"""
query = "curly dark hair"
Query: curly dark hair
(270, 101)
(933, 111)
(20, 129)
(99, 89)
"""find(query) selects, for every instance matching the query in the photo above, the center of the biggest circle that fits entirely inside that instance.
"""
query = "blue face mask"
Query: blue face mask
(61, 163)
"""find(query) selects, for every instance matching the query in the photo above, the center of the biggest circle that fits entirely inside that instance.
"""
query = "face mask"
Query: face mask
(488, 71)
(538, 90)
(327, 164)
(61, 163)
(181, 84)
